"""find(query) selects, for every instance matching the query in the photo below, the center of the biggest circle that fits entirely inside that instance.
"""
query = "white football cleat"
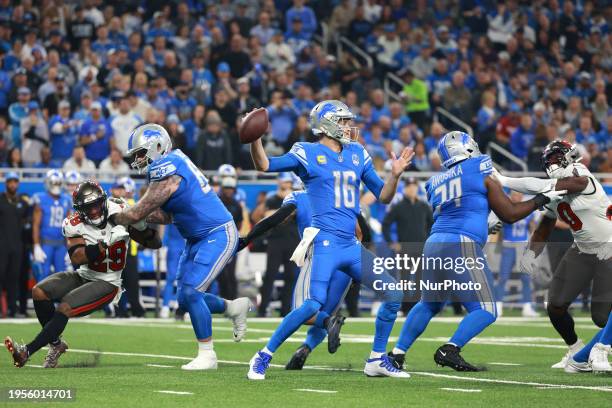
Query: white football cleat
(237, 311)
(500, 308)
(529, 311)
(206, 360)
(164, 313)
(383, 367)
(573, 367)
(598, 358)
(573, 349)
(258, 365)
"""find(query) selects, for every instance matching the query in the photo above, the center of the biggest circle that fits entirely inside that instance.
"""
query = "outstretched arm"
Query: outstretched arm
(533, 185)
(506, 210)
(159, 216)
(398, 166)
(260, 159)
(267, 224)
(157, 194)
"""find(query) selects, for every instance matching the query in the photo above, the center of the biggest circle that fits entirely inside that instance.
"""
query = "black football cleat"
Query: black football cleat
(19, 352)
(299, 358)
(448, 356)
(333, 332)
(398, 360)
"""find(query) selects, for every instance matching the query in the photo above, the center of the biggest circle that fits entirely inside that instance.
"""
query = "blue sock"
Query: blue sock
(384, 324)
(292, 322)
(583, 355)
(320, 320)
(417, 320)
(476, 321)
(315, 336)
(606, 333)
(215, 303)
(192, 301)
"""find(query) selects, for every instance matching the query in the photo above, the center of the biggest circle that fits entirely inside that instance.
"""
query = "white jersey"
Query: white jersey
(110, 265)
(586, 213)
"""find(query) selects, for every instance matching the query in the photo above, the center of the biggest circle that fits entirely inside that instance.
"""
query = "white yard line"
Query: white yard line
(423, 373)
(505, 364)
(318, 391)
(175, 392)
(159, 366)
(461, 389)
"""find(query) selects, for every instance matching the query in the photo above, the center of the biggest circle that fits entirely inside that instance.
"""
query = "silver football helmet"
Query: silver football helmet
(54, 179)
(330, 119)
(456, 146)
(148, 143)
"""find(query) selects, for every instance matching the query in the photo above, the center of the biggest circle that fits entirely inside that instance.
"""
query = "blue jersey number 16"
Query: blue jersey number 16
(344, 187)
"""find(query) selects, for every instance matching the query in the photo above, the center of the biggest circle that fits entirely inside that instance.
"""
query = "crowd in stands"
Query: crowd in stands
(77, 77)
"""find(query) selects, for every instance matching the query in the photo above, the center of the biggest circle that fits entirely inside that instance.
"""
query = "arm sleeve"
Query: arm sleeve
(366, 232)
(270, 222)
(294, 160)
(372, 180)
(162, 170)
(526, 185)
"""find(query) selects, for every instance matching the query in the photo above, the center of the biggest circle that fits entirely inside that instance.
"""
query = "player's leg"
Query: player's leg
(508, 259)
(479, 303)
(528, 310)
(323, 261)
(338, 287)
(594, 355)
(172, 260)
(379, 363)
(571, 276)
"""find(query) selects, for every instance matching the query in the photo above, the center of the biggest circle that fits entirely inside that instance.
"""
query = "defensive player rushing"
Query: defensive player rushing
(99, 247)
(179, 193)
(588, 211)
(461, 198)
(297, 204)
(50, 209)
(332, 171)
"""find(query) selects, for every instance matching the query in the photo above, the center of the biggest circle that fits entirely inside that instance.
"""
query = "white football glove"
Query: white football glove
(118, 233)
(555, 195)
(493, 223)
(528, 262)
(38, 254)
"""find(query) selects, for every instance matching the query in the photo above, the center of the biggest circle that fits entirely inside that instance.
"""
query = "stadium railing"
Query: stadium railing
(343, 42)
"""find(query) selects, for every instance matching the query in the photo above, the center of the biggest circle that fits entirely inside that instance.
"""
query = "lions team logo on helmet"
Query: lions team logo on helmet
(148, 143)
(456, 146)
(332, 118)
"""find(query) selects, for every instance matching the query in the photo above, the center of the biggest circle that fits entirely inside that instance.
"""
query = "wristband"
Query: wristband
(540, 200)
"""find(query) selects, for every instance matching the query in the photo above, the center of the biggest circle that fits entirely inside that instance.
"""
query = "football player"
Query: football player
(297, 204)
(99, 247)
(587, 210)
(50, 209)
(332, 171)
(72, 179)
(461, 198)
(179, 193)
(594, 356)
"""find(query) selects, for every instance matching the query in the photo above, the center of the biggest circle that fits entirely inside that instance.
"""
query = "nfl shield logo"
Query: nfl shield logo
(356, 160)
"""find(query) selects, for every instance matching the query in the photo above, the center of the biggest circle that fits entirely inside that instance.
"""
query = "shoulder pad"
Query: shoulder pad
(71, 227)
(299, 151)
(485, 165)
(162, 169)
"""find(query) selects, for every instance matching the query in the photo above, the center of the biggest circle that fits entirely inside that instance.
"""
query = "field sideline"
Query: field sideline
(136, 362)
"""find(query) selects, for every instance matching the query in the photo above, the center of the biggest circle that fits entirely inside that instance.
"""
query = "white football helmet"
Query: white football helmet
(148, 143)
(227, 170)
(54, 180)
(325, 119)
(72, 179)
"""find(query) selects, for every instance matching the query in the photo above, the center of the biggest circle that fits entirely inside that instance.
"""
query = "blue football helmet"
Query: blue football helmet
(326, 117)
(148, 143)
(456, 146)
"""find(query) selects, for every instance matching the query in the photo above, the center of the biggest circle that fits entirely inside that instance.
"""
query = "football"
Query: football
(253, 125)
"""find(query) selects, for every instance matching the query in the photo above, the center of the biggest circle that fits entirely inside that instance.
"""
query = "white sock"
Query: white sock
(576, 344)
(267, 351)
(375, 354)
(398, 351)
(205, 346)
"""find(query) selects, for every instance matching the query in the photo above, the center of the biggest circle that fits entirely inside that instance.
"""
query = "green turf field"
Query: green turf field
(135, 363)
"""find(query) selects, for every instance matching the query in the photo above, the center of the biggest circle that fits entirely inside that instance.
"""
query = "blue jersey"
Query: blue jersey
(459, 199)
(303, 213)
(519, 231)
(172, 237)
(195, 207)
(53, 211)
(332, 182)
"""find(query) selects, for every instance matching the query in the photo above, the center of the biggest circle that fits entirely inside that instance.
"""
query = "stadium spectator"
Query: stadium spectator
(282, 117)
(79, 162)
(263, 30)
(114, 165)
(96, 135)
(278, 54)
(213, 147)
(522, 137)
(416, 96)
(305, 14)
(34, 135)
(122, 124)
(457, 97)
